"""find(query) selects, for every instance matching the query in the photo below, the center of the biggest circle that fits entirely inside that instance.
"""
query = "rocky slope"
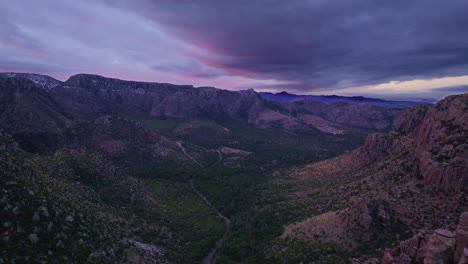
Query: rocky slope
(393, 186)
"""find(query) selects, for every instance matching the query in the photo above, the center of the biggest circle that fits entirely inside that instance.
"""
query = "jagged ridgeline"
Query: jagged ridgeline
(98, 170)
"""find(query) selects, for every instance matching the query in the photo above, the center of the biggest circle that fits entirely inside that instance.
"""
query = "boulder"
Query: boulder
(440, 247)
(409, 251)
(416, 246)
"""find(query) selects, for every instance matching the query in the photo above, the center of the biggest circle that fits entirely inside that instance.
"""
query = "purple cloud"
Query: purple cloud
(277, 45)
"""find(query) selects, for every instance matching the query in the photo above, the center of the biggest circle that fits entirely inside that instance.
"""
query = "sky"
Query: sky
(401, 49)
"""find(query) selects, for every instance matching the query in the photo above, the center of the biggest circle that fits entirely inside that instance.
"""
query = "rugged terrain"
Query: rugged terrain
(410, 179)
(114, 170)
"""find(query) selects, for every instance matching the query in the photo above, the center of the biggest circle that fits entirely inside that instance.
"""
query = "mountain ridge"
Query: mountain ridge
(287, 97)
(94, 95)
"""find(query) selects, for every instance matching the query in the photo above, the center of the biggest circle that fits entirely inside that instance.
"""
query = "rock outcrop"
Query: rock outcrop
(440, 247)
(439, 137)
(462, 239)
(411, 118)
(441, 144)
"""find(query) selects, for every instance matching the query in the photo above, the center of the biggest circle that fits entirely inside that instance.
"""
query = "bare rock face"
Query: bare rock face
(409, 251)
(411, 118)
(416, 246)
(441, 144)
(462, 238)
(440, 247)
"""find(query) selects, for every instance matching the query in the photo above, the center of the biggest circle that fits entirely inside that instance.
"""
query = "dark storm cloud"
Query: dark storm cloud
(320, 43)
(293, 45)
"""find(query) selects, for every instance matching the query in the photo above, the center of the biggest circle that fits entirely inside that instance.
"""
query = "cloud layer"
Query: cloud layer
(300, 46)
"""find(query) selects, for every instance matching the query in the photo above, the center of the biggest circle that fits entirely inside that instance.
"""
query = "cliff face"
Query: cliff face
(418, 171)
(441, 144)
(154, 99)
(436, 137)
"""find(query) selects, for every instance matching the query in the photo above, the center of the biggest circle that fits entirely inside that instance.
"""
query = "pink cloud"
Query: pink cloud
(22, 47)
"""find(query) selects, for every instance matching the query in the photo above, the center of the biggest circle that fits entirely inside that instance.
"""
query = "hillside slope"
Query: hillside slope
(414, 177)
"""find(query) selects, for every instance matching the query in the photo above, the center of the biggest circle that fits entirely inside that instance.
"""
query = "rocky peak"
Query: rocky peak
(251, 93)
(248, 105)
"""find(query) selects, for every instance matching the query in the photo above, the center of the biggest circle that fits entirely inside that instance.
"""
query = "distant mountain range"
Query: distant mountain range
(286, 97)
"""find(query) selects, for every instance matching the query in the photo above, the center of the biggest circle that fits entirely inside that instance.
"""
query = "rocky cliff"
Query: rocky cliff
(416, 174)
(441, 144)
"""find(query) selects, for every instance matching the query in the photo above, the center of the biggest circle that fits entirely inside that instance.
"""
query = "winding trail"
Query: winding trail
(211, 257)
(179, 143)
